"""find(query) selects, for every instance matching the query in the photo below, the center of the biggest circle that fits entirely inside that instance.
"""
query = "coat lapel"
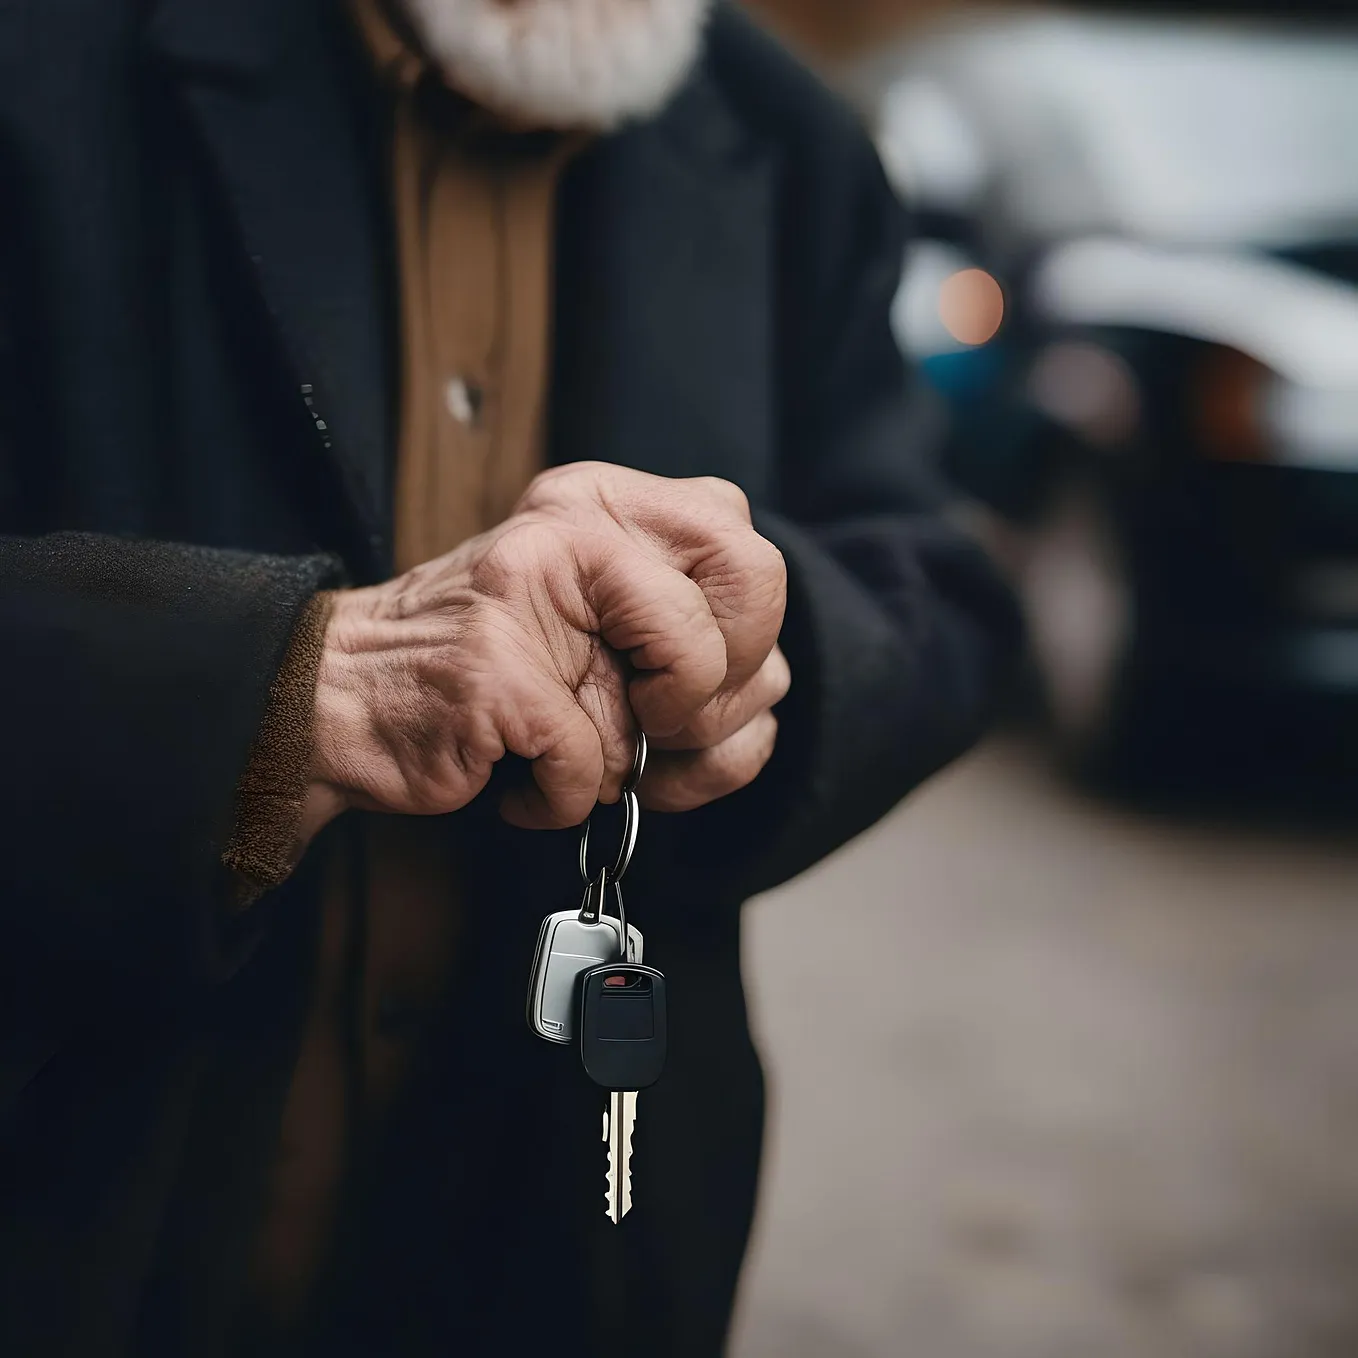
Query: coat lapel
(267, 84)
(665, 299)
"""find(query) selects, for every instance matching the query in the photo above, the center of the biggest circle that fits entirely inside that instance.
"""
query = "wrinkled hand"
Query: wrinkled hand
(608, 595)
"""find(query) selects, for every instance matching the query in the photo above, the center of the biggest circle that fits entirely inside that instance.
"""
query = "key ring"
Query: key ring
(592, 911)
(631, 823)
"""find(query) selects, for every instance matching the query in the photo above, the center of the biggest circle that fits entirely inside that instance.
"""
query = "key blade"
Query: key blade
(619, 1121)
(615, 1200)
(629, 1122)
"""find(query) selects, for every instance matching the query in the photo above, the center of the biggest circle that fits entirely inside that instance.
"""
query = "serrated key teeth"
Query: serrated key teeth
(619, 1121)
(612, 1210)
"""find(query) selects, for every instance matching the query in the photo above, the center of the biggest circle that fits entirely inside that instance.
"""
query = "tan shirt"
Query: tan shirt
(473, 208)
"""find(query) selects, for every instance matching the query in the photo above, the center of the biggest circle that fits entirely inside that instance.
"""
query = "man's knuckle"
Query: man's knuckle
(741, 773)
(778, 676)
(705, 730)
(782, 685)
(670, 795)
(765, 570)
(550, 481)
(749, 565)
(520, 550)
(727, 491)
(774, 563)
(746, 755)
(496, 570)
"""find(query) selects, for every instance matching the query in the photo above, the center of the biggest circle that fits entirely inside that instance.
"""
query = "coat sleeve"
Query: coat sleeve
(899, 631)
(135, 678)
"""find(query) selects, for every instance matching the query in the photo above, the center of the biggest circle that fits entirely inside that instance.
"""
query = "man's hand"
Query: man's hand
(607, 594)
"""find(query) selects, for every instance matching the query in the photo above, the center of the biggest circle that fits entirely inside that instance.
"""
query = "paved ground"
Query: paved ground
(1052, 1080)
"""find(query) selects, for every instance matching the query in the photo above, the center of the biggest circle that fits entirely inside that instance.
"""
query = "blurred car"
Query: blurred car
(1137, 287)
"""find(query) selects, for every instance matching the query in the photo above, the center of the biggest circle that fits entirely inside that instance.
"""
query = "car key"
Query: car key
(623, 1039)
(570, 942)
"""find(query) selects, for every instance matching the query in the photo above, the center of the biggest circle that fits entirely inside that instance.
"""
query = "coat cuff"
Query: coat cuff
(270, 796)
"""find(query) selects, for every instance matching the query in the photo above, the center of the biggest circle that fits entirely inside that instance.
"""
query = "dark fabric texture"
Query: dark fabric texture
(197, 347)
(135, 682)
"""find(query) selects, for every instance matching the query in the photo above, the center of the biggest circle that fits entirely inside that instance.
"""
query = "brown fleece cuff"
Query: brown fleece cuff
(272, 791)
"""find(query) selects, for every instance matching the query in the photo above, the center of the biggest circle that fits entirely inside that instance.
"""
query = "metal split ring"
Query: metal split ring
(631, 823)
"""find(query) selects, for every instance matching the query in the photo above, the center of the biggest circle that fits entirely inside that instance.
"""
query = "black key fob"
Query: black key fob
(623, 1033)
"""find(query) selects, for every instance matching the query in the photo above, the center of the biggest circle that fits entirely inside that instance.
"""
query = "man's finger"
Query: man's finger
(568, 767)
(732, 709)
(727, 492)
(686, 780)
(702, 527)
(661, 620)
(744, 581)
(602, 696)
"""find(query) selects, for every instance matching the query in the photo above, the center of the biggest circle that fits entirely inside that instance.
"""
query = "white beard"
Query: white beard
(588, 64)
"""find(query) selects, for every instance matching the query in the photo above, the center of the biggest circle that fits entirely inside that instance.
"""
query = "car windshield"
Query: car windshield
(1196, 132)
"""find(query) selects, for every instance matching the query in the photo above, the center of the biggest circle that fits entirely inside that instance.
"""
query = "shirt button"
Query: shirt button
(464, 400)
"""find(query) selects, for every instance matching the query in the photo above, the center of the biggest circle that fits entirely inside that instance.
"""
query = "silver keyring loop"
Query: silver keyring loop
(638, 764)
(631, 822)
(624, 941)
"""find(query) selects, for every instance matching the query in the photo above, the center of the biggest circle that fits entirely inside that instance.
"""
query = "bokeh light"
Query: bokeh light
(971, 306)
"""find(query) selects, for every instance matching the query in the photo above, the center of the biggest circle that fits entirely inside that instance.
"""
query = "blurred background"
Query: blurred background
(1075, 1071)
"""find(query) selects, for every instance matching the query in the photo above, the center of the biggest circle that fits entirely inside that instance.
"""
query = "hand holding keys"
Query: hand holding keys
(583, 987)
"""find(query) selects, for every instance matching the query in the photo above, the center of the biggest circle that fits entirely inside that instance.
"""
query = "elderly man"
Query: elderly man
(386, 389)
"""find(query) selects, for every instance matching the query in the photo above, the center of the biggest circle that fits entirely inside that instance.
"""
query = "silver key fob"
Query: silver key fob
(567, 948)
